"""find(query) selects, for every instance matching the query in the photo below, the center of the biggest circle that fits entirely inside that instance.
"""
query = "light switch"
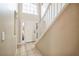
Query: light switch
(3, 36)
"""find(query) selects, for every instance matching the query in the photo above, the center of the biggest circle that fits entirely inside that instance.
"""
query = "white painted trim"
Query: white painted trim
(51, 23)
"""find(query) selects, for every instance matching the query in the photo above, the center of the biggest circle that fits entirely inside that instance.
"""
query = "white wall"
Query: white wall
(8, 46)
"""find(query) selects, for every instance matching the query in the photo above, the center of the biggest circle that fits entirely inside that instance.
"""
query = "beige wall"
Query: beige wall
(63, 37)
(8, 46)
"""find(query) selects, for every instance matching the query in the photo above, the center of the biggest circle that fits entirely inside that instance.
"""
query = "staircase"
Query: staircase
(62, 36)
(52, 11)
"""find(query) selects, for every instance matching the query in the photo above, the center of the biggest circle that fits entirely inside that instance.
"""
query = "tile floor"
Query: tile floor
(27, 49)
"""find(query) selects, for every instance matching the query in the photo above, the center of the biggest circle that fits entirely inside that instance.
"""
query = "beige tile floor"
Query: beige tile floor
(27, 49)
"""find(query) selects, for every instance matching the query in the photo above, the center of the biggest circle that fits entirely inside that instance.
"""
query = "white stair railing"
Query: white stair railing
(53, 10)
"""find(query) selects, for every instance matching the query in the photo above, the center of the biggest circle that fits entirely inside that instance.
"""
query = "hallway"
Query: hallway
(27, 49)
(26, 29)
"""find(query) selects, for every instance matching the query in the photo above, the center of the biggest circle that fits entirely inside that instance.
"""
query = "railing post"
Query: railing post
(39, 11)
(51, 12)
(19, 24)
(20, 21)
(54, 10)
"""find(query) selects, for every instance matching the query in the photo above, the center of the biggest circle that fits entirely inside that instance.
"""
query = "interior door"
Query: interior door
(29, 27)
